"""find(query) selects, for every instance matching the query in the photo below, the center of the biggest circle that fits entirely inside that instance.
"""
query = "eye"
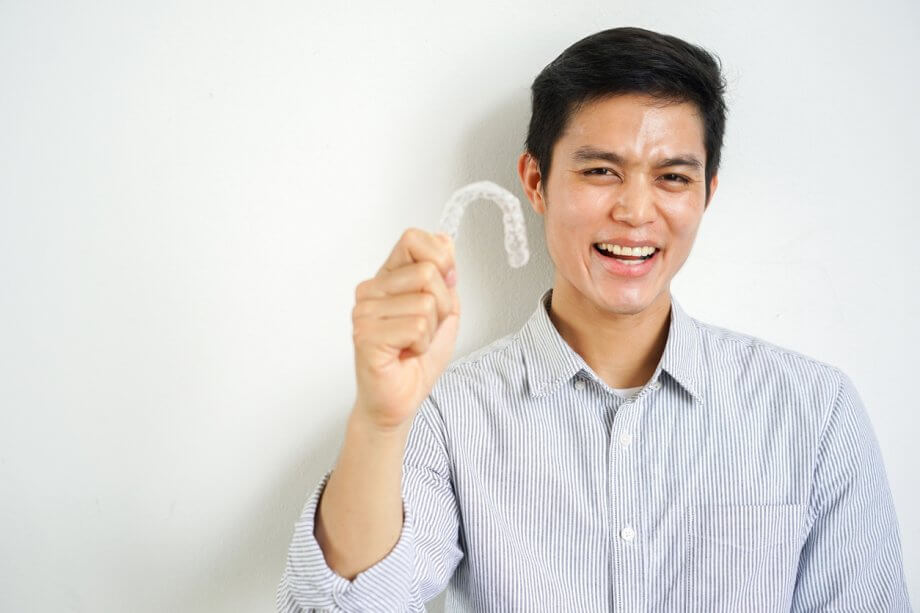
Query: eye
(592, 171)
(676, 177)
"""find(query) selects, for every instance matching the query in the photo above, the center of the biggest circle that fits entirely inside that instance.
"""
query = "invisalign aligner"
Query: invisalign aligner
(512, 218)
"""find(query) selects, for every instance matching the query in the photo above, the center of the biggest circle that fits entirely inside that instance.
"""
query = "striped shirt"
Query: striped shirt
(741, 477)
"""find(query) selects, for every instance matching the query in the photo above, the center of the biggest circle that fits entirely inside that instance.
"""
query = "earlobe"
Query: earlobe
(713, 184)
(537, 202)
(531, 182)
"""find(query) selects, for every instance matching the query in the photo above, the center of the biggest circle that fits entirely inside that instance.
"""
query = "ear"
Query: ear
(713, 184)
(531, 181)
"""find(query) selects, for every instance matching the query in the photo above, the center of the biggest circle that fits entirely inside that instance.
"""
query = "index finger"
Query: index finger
(417, 245)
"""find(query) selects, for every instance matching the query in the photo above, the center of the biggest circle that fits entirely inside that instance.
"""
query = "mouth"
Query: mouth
(633, 263)
(607, 250)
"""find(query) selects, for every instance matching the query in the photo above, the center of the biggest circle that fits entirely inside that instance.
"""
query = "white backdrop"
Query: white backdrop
(190, 191)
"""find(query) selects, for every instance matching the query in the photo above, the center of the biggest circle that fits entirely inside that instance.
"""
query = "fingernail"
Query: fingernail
(451, 277)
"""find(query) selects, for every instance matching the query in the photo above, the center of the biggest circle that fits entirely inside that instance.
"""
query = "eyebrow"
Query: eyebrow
(590, 154)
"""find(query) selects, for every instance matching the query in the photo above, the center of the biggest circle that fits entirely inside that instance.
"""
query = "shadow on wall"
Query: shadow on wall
(496, 300)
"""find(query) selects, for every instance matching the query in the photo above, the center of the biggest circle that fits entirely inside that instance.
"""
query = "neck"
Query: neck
(623, 349)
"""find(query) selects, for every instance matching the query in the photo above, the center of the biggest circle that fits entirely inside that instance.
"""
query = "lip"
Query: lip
(615, 267)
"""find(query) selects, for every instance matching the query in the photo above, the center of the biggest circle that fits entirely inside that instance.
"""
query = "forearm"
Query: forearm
(360, 515)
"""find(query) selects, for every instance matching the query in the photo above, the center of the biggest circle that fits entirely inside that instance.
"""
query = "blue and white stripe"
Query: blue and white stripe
(741, 477)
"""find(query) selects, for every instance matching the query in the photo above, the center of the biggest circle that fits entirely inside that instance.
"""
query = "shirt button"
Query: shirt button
(626, 439)
(628, 534)
(656, 385)
(579, 384)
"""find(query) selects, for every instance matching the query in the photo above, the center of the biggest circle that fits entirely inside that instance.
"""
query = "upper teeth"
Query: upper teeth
(634, 251)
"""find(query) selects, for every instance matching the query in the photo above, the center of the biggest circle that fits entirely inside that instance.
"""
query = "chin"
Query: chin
(625, 302)
(624, 307)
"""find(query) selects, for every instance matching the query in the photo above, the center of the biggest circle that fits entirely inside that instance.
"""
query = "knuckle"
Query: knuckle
(361, 289)
(445, 258)
(429, 271)
(410, 235)
(429, 302)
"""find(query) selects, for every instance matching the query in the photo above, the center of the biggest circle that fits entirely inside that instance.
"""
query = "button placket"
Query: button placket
(625, 494)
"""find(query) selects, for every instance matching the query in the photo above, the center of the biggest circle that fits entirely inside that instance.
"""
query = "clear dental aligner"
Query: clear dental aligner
(512, 218)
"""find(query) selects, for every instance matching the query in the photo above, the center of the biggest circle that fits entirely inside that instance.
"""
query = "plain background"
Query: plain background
(190, 192)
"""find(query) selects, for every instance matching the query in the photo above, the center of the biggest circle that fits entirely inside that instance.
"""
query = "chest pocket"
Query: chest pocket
(742, 557)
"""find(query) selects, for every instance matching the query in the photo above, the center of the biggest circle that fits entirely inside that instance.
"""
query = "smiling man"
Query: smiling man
(615, 454)
(629, 187)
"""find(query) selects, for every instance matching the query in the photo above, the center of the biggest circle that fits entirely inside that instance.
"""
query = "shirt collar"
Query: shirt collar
(549, 360)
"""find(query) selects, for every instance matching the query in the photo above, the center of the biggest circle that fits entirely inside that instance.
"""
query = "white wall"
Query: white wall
(190, 191)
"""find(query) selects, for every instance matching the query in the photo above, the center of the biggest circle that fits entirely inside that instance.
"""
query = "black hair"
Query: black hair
(621, 61)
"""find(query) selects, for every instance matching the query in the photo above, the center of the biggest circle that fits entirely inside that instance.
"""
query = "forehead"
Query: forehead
(636, 125)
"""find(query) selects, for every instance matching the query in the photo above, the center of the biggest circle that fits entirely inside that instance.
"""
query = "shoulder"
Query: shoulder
(719, 342)
(757, 368)
(493, 370)
(488, 362)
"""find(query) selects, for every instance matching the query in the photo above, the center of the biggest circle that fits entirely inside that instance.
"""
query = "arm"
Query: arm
(408, 573)
(851, 560)
(360, 514)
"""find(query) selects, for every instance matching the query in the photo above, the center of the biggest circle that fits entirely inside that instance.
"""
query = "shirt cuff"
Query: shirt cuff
(385, 586)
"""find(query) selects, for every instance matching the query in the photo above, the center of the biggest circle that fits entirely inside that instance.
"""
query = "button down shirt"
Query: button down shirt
(741, 477)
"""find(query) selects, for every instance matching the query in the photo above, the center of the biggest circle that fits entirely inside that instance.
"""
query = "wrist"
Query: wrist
(359, 424)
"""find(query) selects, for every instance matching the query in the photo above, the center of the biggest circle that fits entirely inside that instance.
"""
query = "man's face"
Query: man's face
(644, 192)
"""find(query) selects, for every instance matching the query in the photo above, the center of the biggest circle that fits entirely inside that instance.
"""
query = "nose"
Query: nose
(635, 203)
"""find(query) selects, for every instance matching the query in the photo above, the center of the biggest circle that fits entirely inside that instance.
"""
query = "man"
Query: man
(615, 453)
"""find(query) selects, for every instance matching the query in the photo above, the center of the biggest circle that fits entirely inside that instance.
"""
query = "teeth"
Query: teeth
(620, 250)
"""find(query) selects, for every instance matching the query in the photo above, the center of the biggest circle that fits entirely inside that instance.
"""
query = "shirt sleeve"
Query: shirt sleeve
(421, 562)
(851, 560)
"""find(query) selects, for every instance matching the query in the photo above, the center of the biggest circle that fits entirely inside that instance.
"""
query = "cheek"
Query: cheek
(564, 230)
(554, 218)
(576, 211)
(683, 217)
